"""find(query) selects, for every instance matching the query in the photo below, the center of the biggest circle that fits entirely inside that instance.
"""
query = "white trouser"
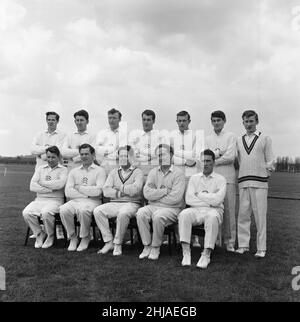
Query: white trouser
(46, 208)
(253, 199)
(210, 217)
(229, 218)
(123, 212)
(82, 208)
(161, 217)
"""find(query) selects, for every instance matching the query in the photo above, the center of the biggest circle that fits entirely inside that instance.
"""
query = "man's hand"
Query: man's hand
(152, 185)
(190, 163)
(43, 156)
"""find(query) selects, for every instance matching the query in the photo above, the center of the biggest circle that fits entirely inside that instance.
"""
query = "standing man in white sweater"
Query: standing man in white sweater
(84, 188)
(124, 187)
(48, 182)
(73, 141)
(205, 194)
(256, 161)
(47, 138)
(223, 144)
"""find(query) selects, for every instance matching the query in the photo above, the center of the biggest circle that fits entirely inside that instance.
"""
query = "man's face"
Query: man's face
(207, 164)
(218, 123)
(86, 156)
(51, 122)
(250, 123)
(147, 122)
(81, 123)
(114, 120)
(183, 123)
(124, 158)
(164, 156)
(52, 159)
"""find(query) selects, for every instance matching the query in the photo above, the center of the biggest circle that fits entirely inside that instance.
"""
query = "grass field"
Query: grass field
(56, 275)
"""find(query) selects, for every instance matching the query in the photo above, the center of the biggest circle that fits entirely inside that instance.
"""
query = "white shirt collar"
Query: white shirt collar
(255, 133)
(48, 166)
(54, 132)
(171, 169)
(93, 166)
(212, 175)
(81, 133)
(131, 168)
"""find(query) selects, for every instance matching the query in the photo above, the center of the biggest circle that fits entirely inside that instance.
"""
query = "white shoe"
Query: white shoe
(154, 253)
(230, 248)
(146, 252)
(73, 244)
(195, 241)
(32, 236)
(84, 244)
(242, 250)
(260, 254)
(48, 242)
(59, 232)
(40, 240)
(203, 261)
(117, 250)
(186, 261)
(106, 248)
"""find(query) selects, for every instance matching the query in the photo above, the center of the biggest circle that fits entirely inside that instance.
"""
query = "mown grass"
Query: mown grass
(56, 275)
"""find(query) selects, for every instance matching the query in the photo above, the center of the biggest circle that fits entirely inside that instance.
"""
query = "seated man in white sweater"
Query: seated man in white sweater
(84, 188)
(48, 182)
(164, 190)
(205, 194)
(124, 186)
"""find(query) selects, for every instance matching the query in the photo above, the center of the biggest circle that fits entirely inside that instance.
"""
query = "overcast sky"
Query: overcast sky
(198, 55)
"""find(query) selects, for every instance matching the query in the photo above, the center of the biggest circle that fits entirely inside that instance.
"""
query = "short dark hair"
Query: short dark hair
(87, 146)
(127, 148)
(184, 113)
(53, 113)
(218, 114)
(249, 113)
(149, 113)
(53, 149)
(113, 111)
(83, 113)
(209, 152)
(165, 146)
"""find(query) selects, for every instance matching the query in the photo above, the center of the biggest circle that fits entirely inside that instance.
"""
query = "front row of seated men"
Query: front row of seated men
(164, 189)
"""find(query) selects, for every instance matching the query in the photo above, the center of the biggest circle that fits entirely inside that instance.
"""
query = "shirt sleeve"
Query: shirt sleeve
(37, 148)
(108, 189)
(214, 199)
(70, 191)
(34, 183)
(58, 183)
(136, 187)
(176, 194)
(269, 156)
(95, 190)
(67, 151)
(228, 156)
(150, 193)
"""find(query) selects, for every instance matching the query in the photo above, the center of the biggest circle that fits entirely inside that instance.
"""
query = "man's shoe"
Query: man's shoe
(73, 244)
(195, 241)
(117, 250)
(203, 261)
(260, 254)
(186, 261)
(154, 253)
(145, 253)
(84, 244)
(106, 248)
(40, 240)
(242, 250)
(48, 242)
(230, 248)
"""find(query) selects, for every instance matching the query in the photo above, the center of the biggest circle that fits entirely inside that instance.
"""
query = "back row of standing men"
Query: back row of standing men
(253, 149)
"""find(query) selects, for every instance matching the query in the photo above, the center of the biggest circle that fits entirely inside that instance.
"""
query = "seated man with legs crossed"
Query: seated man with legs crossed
(84, 188)
(124, 187)
(164, 189)
(48, 182)
(205, 194)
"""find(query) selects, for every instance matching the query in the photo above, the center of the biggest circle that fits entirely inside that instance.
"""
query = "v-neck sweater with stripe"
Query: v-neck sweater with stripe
(254, 159)
(130, 184)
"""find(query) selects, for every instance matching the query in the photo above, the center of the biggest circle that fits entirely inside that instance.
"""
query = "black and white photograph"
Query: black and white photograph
(149, 154)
